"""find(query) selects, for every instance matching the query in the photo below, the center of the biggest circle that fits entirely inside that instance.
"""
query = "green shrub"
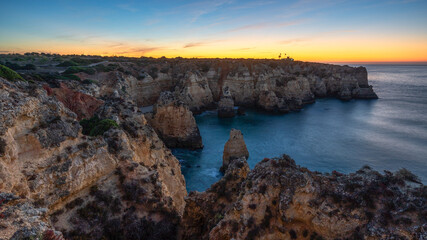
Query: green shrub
(95, 126)
(102, 68)
(9, 74)
(89, 124)
(15, 66)
(67, 64)
(74, 69)
(103, 126)
(29, 67)
(85, 61)
(69, 77)
(89, 81)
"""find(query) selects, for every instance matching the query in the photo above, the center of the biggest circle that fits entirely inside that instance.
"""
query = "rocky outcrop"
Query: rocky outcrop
(22, 220)
(203, 211)
(273, 85)
(175, 123)
(226, 105)
(195, 92)
(280, 200)
(234, 148)
(126, 175)
(82, 104)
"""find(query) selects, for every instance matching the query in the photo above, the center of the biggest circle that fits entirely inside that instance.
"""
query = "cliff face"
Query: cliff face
(175, 123)
(279, 200)
(269, 84)
(48, 163)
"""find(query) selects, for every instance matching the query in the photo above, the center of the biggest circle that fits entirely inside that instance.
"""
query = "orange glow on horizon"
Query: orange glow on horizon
(317, 50)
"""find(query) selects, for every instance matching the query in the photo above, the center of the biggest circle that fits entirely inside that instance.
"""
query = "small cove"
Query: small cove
(386, 134)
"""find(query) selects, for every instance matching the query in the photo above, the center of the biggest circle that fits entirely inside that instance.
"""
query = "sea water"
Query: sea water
(387, 134)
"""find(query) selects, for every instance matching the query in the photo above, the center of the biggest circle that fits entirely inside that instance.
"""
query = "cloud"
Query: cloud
(201, 43)
(142, 50)
(116, 45)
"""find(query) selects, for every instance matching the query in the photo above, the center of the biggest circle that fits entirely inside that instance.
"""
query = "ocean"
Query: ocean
(387, 134)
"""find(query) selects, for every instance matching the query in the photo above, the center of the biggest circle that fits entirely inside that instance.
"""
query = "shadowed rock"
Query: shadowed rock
(226, 105)
(175, 123)
(234, 148)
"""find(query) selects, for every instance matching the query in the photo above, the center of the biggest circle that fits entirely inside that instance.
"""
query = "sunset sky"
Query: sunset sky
(309, 30)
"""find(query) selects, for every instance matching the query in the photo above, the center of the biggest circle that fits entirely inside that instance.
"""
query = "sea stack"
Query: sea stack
(234, 148)
(175, 123)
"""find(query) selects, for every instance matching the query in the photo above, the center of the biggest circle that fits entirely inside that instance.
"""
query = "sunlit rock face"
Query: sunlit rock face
(47, 163)
(195, 91)
(175, 123)
(271, 85)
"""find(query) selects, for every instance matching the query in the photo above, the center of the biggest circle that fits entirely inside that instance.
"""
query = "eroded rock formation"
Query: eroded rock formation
(269, 84)
(175, 123)
(280, 200)
(234, 148)
(126, 184)
(82, 104)
(84, 183)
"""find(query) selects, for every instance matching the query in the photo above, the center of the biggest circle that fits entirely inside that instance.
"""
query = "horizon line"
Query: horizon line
(422, 62)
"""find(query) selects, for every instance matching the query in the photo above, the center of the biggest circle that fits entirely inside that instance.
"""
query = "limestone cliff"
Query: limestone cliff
(273, 85)
(47, 162)
(175, 123)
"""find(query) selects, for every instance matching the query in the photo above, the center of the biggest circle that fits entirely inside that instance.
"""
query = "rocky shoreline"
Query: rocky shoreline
(112, 175)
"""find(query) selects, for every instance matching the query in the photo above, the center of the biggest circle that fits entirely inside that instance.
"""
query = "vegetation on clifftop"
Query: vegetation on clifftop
(95, 126)
(9, 74)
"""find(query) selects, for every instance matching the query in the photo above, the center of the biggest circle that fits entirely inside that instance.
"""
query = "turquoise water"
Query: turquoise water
(388, 133)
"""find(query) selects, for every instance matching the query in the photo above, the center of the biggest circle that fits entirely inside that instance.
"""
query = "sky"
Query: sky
(307, 30)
